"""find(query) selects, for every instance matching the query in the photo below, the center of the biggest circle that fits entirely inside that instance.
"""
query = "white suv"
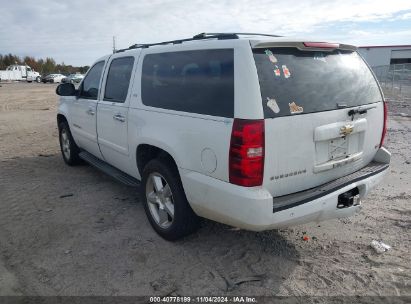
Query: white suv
(257, 132)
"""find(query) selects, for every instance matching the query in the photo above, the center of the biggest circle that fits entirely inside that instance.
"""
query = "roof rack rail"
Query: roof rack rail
(201, 36)
(237, 34)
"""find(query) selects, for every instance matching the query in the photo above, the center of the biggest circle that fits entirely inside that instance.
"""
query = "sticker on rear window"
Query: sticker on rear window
(272, 104)
(271, 56)
(295, 109)
(277, 71)
(286, 71)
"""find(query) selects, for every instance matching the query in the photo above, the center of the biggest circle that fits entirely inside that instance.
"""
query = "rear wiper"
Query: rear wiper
(352, 112)
(361, 110)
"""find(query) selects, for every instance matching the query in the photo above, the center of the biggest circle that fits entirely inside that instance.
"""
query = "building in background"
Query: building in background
(382, 55)
(392, 66)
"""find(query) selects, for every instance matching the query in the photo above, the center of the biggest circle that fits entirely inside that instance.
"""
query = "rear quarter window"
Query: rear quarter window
(298, 82)
(190, 81)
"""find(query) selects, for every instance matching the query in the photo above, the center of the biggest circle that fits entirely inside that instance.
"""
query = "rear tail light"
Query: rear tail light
(246, 159)
(384, 128)
(321, 45)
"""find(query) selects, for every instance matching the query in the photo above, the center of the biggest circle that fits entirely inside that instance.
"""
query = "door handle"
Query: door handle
(90, 111)
(119, 117)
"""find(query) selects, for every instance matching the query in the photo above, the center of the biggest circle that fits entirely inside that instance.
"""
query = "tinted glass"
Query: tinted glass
(118, 79)
(298, 82)
(190, 81)
(91, 83)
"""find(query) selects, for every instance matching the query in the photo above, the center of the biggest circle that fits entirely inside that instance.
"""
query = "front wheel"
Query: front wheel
(69, 149)
(165, 202)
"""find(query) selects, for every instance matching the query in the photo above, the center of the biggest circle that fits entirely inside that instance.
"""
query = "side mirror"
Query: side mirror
(66, 89)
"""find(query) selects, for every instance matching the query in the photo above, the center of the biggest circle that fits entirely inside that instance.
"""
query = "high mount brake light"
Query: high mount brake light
(246, 159)
(321, 45)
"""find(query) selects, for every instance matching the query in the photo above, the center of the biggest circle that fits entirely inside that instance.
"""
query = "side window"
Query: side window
(91, 83)
(118, 79)
(190, 81)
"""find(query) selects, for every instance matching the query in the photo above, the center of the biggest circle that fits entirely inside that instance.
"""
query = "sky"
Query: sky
(78, 32)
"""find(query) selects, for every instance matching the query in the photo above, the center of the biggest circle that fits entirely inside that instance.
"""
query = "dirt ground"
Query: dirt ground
(75, 231)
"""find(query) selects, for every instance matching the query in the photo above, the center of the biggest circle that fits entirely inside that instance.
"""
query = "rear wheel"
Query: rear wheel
(165, 202)
(69, 150)
(38, 79)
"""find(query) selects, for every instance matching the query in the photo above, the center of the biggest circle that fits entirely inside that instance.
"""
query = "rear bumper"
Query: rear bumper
(255, 208)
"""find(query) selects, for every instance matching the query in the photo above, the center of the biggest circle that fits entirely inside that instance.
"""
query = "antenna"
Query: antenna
(114, 44)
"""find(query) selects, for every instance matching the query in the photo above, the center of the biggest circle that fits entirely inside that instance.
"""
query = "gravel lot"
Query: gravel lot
(75, 231)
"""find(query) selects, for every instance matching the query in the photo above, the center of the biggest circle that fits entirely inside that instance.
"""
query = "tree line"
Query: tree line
(43, 66)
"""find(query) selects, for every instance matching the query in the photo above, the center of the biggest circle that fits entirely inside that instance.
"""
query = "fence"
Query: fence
(395, 80)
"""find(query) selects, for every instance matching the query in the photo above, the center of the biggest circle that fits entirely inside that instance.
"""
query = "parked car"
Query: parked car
(254, 133)
(53, 78)
(73, 78)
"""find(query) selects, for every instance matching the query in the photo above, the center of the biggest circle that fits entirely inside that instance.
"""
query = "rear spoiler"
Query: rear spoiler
(304, 46)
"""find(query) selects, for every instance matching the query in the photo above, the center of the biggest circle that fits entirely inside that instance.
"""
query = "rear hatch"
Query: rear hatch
(323, 114)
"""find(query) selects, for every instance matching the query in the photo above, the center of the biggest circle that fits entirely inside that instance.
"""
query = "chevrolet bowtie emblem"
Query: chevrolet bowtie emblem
(346, 130)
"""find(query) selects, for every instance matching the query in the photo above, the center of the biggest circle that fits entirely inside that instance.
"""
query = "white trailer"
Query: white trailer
(19, 72)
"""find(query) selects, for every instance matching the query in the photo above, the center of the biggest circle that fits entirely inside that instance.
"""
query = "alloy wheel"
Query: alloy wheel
(160, 200)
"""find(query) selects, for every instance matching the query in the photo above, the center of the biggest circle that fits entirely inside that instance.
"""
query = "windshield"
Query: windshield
(297, 82)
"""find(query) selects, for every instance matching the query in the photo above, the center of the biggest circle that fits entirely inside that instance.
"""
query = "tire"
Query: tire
(38, 79)
(69, 150)
(167, 208)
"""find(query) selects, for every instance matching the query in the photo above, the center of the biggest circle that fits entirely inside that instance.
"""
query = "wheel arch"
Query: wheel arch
(146, 152)
(61, 118)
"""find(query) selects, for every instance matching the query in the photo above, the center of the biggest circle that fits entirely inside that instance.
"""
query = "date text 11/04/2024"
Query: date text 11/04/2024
(203, 299)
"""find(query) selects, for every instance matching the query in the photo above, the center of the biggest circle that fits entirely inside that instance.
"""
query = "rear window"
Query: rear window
(297, 82)
(190, 81)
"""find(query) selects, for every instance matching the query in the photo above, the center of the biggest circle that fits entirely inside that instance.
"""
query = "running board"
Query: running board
(110, 170)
